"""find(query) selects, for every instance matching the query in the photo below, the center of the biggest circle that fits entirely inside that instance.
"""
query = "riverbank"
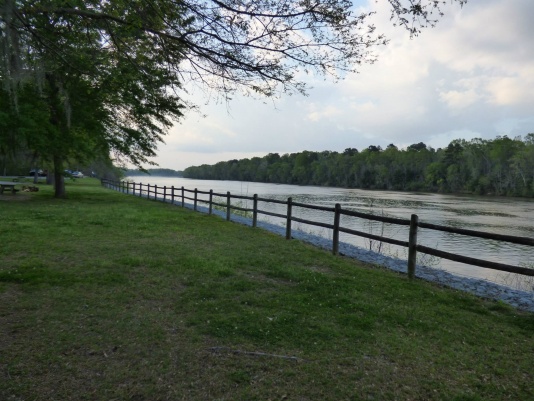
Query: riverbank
(108, 296)
(483, 288)
(498, 215)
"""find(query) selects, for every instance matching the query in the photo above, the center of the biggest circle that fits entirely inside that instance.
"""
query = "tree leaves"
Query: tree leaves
(110, 72)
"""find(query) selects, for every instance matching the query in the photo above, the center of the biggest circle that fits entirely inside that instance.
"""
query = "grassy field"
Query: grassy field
(105, 296)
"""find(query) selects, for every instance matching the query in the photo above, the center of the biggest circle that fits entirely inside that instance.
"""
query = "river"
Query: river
(511, 216)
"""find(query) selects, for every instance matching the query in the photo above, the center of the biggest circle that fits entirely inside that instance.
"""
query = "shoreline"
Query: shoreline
(519, 299)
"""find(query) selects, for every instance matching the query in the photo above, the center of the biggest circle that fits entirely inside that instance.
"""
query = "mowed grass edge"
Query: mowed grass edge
(108, 296)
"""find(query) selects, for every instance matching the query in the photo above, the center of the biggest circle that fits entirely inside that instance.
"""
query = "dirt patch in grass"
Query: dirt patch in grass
(9, 317)
(18, 197)
(262, 278)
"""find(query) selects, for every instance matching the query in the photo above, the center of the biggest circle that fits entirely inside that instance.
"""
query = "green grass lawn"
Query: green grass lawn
(105, 296)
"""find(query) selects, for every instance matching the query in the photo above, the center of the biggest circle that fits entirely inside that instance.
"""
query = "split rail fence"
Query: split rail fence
(179, 195)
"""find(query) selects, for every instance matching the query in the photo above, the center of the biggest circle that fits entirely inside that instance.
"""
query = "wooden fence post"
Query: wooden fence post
(172, 195)
(183, 197)
(196, 198)
(412, 244)
(228, 204)
(335, 235)
(155, 192)
(288, 221)
(211, 201)
(255, 211)
(148, 191)
(164, 193)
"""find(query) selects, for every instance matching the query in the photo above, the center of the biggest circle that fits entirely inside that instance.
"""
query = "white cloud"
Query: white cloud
(459, 100)
(471, 76)
(514, 90)
(320, 112)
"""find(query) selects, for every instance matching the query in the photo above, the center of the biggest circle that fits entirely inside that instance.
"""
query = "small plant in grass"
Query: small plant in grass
(425, 259)
(239, 203)
(374, 245)
(519, 281)
(422, 259)
(311, 230)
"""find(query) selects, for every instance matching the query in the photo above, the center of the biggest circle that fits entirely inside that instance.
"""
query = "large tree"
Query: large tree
(109, 72)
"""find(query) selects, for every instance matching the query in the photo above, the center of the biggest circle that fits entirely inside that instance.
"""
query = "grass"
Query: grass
(105, 296)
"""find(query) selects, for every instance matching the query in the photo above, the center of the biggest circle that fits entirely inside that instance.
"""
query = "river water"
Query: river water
(511, 216)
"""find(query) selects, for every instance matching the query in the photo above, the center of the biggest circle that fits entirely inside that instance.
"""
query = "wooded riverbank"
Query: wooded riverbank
(502, 166)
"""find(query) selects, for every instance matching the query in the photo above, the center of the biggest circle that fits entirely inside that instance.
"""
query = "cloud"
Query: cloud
(462, 94)
(470, 76)
(320, 112)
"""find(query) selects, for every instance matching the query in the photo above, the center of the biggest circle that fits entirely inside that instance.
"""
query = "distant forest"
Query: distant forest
(158, 172)
(502, 166)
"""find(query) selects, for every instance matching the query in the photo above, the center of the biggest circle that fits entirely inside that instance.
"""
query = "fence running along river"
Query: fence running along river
(181, 194)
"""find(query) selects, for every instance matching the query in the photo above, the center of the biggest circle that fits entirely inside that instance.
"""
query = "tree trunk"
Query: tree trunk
(35, 175)
(59, 179)
(55, 120)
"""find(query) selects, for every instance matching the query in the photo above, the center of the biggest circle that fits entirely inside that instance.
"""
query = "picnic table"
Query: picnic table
(8, 185)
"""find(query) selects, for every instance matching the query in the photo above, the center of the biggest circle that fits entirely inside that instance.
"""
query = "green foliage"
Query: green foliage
(108, 74)
(82, 88)
(502, 166)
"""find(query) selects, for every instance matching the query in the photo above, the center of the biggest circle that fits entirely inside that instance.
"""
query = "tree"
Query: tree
(126, 58)
(374, 148)
(417, 147)
(523, 164)
(101, 90)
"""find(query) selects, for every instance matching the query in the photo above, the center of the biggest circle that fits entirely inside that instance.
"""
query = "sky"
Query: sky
(472, 76)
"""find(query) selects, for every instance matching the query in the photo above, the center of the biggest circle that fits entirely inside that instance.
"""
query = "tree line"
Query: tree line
(160, 172)
(502, 166)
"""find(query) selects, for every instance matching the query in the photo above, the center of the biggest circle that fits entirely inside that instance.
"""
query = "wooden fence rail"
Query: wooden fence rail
(224, 202)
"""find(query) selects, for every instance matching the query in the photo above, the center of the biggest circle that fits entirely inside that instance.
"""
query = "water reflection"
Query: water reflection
(511, 216)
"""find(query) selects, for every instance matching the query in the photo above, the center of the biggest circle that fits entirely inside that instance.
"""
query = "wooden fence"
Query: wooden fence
(180, 195)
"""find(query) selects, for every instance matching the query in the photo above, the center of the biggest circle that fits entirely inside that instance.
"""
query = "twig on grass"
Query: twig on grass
(240, 352)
